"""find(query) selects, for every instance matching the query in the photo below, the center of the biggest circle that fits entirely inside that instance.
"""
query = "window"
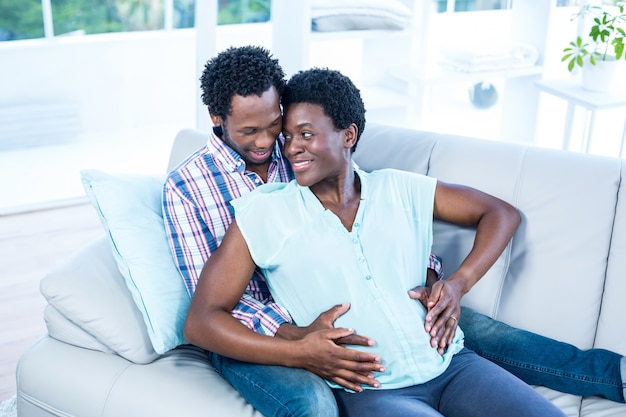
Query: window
(243, 11)
(569, 3)
(26, 19)
(450, 6)
(88, 17)
(20, 20)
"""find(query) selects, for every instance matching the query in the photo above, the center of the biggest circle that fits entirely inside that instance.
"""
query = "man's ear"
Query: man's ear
(350, 135)
(217, 120)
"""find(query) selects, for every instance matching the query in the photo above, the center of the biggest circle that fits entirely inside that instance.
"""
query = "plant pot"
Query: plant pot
(600, 77)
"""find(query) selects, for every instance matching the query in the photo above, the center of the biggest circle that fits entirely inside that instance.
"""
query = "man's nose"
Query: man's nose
(266, 139)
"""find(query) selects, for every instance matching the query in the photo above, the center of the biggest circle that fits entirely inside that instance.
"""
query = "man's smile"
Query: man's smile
(260, 155)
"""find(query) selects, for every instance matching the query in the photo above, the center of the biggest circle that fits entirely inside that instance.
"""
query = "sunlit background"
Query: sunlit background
(107, 83)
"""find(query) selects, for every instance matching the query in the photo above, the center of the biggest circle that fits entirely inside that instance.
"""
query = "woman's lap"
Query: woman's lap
(471, 386)
(393, 403)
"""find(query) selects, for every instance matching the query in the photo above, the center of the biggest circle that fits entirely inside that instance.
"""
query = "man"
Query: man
(241, 88)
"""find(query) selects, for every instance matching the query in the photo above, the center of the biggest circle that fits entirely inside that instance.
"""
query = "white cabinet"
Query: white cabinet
(366, 56)
(396, 69)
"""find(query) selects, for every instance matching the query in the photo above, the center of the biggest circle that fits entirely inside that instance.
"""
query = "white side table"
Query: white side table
(570, 89)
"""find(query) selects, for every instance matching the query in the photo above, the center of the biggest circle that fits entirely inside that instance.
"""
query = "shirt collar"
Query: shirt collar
(363, 177)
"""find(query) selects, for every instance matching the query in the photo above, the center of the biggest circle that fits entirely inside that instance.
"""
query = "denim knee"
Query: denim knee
(278, 391)
(314, 399)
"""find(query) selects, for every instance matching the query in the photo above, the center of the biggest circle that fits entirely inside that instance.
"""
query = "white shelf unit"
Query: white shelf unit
(396, 67)
(365, 55)
(442, 75)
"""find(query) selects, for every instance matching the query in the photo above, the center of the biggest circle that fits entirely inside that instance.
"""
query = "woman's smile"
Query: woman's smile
(301, 165)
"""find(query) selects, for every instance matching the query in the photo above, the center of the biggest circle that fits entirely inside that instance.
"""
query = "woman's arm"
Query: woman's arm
(496, 222)
(210, 325)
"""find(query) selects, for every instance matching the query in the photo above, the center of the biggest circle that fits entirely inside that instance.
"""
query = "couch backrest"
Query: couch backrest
(555, 277)
(186, 142)
(563, 274)
(612, 322)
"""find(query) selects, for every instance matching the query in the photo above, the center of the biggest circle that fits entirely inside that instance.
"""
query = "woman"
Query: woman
(339, 235)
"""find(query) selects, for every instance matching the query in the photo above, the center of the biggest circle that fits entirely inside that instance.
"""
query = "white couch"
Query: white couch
(563, 276)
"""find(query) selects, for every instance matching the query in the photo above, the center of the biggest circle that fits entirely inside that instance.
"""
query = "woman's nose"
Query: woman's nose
(292, 147)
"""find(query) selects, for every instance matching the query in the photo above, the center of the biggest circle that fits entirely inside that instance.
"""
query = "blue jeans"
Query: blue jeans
(470, 387)
(277, 390)
(538, 360)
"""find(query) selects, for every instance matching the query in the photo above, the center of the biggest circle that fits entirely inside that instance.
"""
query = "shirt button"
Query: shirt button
(368, 277)
(361, 259)
(355, 241)
(356, 225)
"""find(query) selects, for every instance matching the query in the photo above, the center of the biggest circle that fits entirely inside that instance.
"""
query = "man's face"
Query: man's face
(253, 126)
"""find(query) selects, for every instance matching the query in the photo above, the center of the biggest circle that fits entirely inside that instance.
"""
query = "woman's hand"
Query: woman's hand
(444, 310)
(443, 305)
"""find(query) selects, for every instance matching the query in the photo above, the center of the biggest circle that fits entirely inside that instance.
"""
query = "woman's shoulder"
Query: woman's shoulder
(265, 195)
(397, 176)
(274, 188)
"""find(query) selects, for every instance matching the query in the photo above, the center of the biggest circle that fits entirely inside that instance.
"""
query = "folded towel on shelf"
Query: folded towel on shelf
(490, 57)
(338, 15)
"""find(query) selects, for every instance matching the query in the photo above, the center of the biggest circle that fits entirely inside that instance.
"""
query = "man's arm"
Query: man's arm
(193, 240)
(210, 325)
(434, 272)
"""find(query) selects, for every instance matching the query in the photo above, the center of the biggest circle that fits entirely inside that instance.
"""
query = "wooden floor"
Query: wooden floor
(31, 244)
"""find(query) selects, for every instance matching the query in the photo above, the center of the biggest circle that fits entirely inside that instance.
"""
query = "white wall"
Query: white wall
(123, 97)
(115, 81)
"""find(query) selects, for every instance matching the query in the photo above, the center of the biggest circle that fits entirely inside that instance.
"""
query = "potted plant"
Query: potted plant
(603, 48)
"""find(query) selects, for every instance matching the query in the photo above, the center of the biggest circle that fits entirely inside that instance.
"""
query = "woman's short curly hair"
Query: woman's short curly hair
(240, 71)
(331, 90)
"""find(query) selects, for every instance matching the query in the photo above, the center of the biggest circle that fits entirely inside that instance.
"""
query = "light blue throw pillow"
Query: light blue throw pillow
(129, 206)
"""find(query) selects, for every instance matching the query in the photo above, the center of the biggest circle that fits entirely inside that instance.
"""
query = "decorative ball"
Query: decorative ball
(483, 95)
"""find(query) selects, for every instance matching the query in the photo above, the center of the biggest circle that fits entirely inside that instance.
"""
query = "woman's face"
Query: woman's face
(316, 150)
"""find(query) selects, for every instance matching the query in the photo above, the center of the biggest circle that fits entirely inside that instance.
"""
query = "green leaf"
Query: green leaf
(619, 50)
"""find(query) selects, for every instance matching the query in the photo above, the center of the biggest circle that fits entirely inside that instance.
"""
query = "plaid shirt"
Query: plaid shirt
(197, 212)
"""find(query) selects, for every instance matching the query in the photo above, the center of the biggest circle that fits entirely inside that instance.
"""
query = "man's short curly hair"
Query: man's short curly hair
(331, 90)
(240, 71)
